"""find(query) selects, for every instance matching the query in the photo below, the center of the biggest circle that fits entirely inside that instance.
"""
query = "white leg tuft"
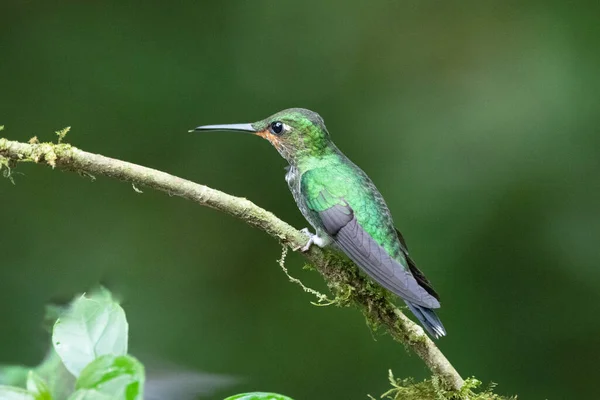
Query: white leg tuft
(320, 241)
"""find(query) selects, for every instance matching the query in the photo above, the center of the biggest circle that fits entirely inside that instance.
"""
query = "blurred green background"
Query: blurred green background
(477, 120)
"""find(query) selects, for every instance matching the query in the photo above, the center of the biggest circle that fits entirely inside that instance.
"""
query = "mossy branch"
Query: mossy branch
(341, 275)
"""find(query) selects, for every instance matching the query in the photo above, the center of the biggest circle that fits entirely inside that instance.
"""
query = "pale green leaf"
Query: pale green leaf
(259, 396)
(93, 326)
(89, 394)
(52, 370)
(37, 386)
(13, 375)
(15, 393)
(121, 377)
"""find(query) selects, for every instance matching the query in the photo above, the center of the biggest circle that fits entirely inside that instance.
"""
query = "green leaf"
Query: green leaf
(93, 326)
(51, 371)
(87, 394)
(60, 381)
(14, 393)
(38, 387)
(13, 375)
(259, 396)
(121, 377)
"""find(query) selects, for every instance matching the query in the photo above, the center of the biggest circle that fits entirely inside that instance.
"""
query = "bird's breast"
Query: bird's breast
(293, 178)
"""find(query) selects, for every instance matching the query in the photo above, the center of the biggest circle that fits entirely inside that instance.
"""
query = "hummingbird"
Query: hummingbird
(344, 207)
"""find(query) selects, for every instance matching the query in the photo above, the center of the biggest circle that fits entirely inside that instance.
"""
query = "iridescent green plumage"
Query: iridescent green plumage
(342, 182)
(340, 201)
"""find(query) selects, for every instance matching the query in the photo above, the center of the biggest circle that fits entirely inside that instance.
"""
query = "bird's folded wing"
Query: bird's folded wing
(373, 258)
(341, 224)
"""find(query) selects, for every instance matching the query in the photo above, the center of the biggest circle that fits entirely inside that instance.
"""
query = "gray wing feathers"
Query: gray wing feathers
(335, 218)
(339, 222)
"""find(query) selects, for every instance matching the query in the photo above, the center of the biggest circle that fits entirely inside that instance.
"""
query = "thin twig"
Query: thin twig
(340, 274)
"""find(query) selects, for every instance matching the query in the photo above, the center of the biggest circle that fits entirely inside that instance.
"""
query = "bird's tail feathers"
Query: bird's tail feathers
(428, 319)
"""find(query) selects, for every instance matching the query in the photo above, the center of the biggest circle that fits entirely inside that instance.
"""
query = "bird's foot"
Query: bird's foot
(312, 239)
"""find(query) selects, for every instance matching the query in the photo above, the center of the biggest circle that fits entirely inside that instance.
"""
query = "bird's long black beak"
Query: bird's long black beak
(226, 127)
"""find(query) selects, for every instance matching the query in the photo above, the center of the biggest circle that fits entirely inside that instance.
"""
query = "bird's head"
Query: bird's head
(295, 132)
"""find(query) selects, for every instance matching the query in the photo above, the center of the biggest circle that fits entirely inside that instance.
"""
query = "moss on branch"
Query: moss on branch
(434, 389)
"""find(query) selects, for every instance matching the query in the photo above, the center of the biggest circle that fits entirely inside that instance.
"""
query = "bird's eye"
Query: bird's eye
(276, 127)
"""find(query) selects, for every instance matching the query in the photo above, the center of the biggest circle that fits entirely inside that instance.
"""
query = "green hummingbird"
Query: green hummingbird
(343, 205)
